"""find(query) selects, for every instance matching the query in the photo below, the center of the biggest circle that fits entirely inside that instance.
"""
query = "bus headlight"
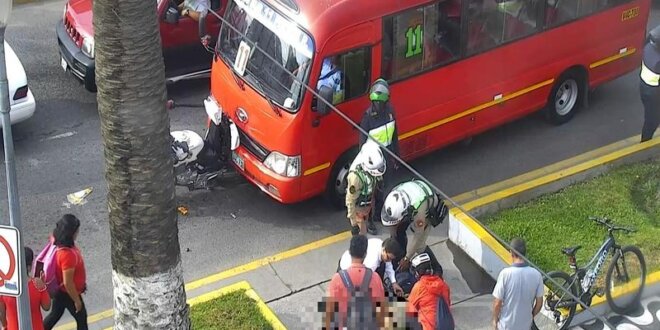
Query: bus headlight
(283, 165)
(88, 46)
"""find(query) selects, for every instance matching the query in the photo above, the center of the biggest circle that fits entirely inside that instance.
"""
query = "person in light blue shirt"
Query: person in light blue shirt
(518, 292)
(331, 77)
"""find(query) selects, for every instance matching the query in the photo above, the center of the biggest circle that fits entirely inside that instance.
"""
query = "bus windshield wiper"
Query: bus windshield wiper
(256, 83)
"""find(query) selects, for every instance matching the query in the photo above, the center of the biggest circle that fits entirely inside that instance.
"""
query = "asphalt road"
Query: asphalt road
(59, 151)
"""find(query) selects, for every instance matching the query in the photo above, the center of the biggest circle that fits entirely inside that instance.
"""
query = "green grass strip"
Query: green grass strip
(629, 195)
(234, 310)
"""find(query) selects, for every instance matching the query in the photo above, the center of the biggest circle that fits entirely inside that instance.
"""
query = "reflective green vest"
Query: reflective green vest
(418, 192)
(368, 183)
(649, 77)
(384, 133)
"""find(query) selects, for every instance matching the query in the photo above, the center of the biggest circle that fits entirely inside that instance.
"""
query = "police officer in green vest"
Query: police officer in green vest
(380, 123)
(363, 176)
(413, 205)
(650, 84)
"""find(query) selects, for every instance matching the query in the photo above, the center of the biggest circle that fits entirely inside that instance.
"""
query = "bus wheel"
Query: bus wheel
(335, 191)
(565, 98)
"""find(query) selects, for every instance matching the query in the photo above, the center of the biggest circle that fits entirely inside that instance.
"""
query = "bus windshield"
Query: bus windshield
(275, 35)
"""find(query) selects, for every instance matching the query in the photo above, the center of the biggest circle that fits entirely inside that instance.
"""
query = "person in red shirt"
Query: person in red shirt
(39, 298)
(71, 274)
(423, 299)
(338, 295)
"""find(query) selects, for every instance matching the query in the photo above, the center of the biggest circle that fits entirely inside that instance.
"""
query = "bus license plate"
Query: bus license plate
(238, 161)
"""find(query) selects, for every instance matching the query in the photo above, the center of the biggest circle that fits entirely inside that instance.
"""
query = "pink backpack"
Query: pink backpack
(47, 257)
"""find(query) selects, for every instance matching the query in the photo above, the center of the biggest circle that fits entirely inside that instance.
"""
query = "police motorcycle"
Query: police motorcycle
(204, 163)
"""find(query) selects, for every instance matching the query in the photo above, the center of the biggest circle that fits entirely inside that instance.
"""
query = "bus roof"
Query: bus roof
(323, 18)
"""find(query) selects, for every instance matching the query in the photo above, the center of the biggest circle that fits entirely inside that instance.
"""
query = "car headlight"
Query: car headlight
(283, 165)
(64, 12)
(88, 46)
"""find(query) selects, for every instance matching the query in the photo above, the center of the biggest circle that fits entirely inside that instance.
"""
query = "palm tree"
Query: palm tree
(146, 259)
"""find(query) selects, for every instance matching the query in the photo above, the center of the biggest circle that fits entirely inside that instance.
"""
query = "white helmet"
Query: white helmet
(372, 159)
(423, 260)
(420, 259)
(395, 208)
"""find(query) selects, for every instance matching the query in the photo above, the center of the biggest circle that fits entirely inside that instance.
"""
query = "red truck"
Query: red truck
(185, 57)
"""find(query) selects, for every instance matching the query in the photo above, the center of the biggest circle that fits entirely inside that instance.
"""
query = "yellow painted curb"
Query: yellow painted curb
(534, 174)
(233, 272)
(552, 177)
(242, 285)
(478, 230)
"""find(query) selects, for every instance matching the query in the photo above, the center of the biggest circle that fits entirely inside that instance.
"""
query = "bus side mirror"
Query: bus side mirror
(322, 108)
(171, 16)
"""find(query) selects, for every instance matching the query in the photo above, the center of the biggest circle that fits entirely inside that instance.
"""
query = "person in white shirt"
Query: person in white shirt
(379, 259)
(194, 8)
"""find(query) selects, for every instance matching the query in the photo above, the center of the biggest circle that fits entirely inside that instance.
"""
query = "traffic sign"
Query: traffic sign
(10, 267)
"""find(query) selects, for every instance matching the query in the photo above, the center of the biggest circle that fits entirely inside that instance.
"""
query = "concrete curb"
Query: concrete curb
(470, 234)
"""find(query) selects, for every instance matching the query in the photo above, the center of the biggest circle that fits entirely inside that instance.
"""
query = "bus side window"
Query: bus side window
(496, 21)
(419, 39)
(485, 27)
(347, 74)
(560, 11)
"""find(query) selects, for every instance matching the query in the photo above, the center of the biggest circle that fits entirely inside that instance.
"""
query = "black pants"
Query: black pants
(651, 100)
(401, 236)
(62, 301)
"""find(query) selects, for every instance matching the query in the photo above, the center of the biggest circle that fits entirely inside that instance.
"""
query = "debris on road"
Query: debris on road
(182, 210)
(233, 215)
(79, 198)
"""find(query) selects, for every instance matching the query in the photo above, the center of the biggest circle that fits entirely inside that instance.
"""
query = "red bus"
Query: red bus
(455, 67)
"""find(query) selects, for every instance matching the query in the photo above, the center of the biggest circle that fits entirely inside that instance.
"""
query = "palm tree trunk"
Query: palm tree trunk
(146, 259)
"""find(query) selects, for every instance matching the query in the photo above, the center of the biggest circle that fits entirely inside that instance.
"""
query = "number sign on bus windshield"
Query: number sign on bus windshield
(242, 57)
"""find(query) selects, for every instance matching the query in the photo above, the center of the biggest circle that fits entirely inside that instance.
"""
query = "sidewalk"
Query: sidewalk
(308, 275)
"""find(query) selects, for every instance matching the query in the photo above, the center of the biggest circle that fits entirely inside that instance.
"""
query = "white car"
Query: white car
(21, 99)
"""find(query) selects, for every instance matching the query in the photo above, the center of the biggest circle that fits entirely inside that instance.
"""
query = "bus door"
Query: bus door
(346, 65)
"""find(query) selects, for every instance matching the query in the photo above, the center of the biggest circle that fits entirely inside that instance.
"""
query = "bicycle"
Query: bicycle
(581, 282)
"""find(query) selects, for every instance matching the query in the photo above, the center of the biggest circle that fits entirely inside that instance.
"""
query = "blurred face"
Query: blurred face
(387, 257)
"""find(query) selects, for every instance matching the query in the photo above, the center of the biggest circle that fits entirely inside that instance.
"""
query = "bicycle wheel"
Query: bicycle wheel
(625, 279)
(557, 301)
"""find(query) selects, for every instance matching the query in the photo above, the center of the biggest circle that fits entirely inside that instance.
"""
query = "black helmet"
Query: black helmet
(654, 36)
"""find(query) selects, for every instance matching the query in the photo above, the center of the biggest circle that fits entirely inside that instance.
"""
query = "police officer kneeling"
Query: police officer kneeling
(413, 202)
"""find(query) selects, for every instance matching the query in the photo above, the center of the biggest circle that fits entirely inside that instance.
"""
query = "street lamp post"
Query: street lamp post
(24, 319)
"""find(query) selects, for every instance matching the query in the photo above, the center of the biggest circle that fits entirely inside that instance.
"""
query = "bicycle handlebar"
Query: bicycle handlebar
(606, 222)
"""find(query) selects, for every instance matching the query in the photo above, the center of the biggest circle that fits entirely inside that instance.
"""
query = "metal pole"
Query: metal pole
(24, 319)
